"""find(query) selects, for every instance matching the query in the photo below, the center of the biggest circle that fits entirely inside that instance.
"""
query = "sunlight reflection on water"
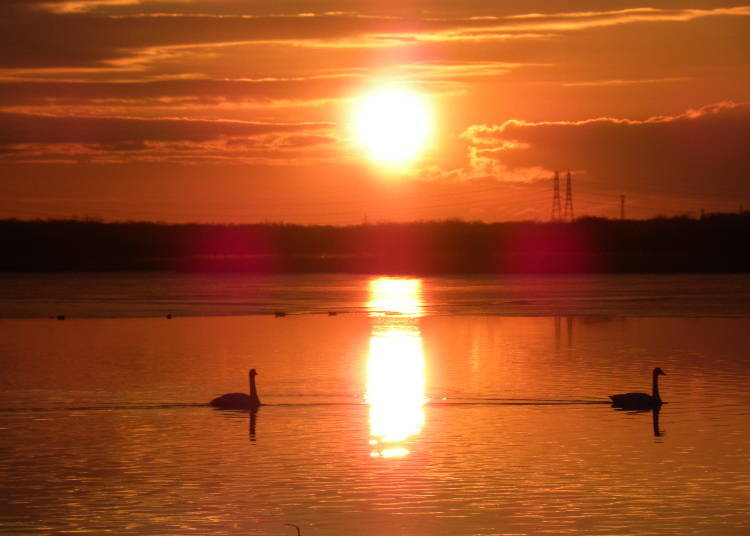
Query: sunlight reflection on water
(395, 366)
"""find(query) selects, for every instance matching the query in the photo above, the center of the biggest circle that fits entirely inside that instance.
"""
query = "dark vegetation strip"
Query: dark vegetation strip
(715, 243)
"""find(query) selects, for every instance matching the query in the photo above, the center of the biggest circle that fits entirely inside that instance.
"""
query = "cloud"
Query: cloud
(434, 77)
(64, 36)
(633, 82)
(27, 137)
(701, 151)
(81, 6)
(145, 92)
(27, 128)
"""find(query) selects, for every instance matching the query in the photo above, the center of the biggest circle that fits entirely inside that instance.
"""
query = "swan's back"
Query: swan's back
(233, 401)
(634, 401)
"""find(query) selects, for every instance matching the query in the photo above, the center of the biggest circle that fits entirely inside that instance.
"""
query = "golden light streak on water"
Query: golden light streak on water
(395, 366)
(395, 296)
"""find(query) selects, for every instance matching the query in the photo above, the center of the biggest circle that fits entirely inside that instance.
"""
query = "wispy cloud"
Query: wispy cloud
(634, 82)
(64, 40)
(107, 139)
(82, 5)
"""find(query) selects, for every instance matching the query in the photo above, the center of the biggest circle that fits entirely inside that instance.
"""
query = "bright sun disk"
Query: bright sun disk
(392, 125)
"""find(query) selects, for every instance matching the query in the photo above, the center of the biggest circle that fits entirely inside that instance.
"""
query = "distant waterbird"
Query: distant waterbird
(279, 314)
(296, 527)
(239, 400)
(641, 400)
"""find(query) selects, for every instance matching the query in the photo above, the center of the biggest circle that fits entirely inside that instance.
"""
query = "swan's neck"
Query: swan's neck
(655, 387)
(253, 392)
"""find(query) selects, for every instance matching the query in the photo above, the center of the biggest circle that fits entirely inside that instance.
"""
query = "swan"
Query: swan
(239, 400)
(641, 400)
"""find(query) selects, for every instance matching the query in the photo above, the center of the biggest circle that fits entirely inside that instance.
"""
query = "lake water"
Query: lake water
(425, 406)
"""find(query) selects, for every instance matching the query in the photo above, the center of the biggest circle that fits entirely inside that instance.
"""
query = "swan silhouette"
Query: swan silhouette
(641, 400)
(239, 400)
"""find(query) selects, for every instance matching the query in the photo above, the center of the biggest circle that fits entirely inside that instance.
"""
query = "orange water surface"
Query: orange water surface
(388, 421)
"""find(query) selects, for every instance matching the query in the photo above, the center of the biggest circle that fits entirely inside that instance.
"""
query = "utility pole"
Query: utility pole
(568, 213)
(556, 208)
(622, 207)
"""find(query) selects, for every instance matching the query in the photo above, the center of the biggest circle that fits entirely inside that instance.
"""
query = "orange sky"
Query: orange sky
(237, 111)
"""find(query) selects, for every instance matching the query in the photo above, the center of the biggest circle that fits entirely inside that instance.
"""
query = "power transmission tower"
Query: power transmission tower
(622, 207)
(568, 213)
(556, 207)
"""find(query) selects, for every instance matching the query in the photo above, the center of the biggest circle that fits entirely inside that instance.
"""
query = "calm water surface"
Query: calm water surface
(416, 410)
(157, 294)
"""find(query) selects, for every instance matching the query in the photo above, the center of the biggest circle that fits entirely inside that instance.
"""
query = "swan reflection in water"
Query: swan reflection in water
(655, 419)
(658, 432)
(395, 365)
(252, 421)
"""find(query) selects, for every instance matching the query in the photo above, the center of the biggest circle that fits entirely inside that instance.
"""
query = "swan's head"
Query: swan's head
(659, 372)
(253, 373)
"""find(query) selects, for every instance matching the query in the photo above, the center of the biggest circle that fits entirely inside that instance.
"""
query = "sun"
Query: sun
(393, 125)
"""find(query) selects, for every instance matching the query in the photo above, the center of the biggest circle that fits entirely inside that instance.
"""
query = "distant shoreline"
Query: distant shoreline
(717, 243)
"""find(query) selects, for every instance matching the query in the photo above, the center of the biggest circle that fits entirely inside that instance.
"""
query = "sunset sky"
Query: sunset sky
(247, 111)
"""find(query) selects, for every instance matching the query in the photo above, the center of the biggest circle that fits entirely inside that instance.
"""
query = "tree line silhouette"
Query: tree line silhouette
(714, 243)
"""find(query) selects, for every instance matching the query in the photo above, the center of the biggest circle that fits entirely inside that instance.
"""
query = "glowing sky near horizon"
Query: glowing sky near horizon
(231, 111)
